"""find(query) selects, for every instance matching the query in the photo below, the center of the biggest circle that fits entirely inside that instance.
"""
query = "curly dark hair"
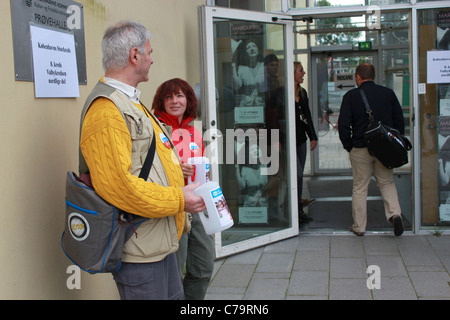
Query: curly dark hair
(173, 86)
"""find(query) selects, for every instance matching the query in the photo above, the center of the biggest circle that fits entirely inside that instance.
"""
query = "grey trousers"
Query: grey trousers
(196, 253)
(362, 166)
(150, 281)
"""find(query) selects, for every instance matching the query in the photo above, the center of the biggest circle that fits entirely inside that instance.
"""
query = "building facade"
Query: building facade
(406, 41)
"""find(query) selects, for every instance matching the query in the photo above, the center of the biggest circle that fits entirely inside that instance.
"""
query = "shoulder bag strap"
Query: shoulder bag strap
(145, 171)
(134, 220)
(366, 104)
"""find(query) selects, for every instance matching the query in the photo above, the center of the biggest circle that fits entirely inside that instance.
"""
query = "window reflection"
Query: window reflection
(434, 121)
(251, 117)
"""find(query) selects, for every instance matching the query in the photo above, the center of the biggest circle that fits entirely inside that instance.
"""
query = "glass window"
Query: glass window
(394, 28)
(384, 2)
(298, 3)
(396, 74)
(251, 116)
(329, 91)
(273, 5)
(434, 113)
(254, 5)
(329, 3)
(338, 31)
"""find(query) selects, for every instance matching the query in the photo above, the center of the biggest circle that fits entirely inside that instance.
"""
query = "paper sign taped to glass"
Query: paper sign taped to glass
(249, 115)
(253, 215)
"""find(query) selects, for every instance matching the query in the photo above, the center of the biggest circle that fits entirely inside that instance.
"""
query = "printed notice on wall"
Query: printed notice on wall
(55, 63)
(438, 66)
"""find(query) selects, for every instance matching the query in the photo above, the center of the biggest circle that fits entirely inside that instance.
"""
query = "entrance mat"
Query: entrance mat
(338, 215)
(337, 188)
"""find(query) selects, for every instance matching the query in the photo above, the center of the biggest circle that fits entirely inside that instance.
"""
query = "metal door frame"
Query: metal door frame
(208, 105)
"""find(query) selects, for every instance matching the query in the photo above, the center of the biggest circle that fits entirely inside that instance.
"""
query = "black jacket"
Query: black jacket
(353, 119)
(304, 127)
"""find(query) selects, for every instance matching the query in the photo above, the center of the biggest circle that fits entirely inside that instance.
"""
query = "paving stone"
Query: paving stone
(312, 260)
(380, 246)
(314, 243)
(310, 283)
(233, 275)
(349, 289)
(390, 266)
(348, 268)
(248, 257)
(335, 268)
(276, 262)
(416, 251)
(344, 246)
(431, 284)
(395, 288)
(266, 289)
(285, 246)
(225, 293)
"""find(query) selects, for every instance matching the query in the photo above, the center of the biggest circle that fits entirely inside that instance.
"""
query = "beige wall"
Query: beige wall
(39, 143)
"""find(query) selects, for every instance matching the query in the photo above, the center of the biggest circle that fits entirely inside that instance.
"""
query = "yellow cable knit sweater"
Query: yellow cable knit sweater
(106, 146)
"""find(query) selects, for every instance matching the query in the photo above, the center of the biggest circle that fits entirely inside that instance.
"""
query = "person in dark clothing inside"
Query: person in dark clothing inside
(304, 130)
(353, 121)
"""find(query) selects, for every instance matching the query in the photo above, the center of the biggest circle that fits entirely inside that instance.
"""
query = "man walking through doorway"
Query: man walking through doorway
(353, 121)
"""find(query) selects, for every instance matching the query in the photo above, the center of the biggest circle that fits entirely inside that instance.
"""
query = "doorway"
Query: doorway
(333, 47)
(330, 183)
(248, 126)
(330, 59)
(334, 75)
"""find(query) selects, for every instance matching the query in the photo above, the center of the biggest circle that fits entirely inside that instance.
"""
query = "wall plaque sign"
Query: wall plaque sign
(54, 14)
(54, 62)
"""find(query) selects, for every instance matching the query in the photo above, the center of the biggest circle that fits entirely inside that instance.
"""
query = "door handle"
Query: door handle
(216, 136)
(429, 126)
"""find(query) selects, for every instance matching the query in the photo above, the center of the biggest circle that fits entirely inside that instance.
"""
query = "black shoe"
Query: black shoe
(303, 218)
(308, 202)
(398, 225)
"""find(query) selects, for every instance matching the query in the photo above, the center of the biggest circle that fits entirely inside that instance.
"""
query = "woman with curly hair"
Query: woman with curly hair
(175, 105)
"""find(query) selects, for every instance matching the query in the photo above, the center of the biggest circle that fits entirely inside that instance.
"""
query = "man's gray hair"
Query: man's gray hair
(119, 39)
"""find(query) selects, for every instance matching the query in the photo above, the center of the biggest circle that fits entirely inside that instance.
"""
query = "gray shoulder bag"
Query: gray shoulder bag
(95, 231)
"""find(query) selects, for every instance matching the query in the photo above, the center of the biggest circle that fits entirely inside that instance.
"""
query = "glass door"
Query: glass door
(246, 57)
(334, 76)
(433, 113)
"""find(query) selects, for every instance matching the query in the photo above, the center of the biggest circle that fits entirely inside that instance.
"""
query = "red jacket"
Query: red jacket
(187, 139)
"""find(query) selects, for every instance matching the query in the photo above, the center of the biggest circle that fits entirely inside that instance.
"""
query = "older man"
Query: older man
(117, 131)
(353, 121)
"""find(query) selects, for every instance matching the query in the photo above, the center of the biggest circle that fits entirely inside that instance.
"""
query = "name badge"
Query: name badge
(193, 146)
(164, 140)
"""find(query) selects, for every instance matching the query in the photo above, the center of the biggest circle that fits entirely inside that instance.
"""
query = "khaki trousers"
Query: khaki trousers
(362, 166)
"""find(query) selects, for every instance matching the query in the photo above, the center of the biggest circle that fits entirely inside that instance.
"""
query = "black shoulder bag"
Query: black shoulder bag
(385, 143)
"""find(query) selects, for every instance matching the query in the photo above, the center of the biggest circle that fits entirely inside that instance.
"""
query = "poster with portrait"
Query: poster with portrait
(252, 200)
(444, 167)
(439, 71)
(248, 73)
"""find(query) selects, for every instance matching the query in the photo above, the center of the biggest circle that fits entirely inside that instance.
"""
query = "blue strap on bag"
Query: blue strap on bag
(95, 231)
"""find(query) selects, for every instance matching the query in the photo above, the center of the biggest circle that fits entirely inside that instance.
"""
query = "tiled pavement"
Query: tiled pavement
(334, 267)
